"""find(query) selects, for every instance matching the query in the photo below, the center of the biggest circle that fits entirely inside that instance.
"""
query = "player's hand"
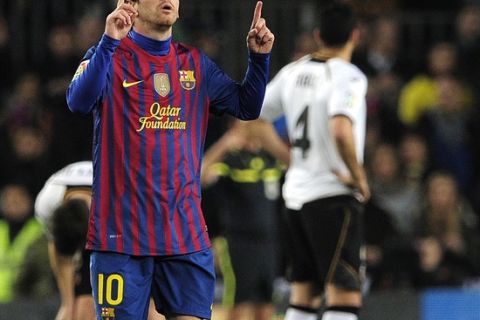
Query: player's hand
(363, 190)
(120, 21)
(259, 39)
(360, 184)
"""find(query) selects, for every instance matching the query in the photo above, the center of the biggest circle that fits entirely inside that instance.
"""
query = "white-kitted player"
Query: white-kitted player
(323, 99)
(62, 206)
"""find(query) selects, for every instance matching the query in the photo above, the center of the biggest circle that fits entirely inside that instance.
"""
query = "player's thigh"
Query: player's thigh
(333, 226)
(349, 272)
(241, 257)
(121, 285)
(254, 266)
(153, 313)
(301, 266)
(184, 285)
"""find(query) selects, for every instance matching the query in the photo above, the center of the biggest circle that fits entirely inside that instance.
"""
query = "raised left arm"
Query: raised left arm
(244, 101)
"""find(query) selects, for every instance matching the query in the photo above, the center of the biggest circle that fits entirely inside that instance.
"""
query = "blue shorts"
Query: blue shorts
(180, 285)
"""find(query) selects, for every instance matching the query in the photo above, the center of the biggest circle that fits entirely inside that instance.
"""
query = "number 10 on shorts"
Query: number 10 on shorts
(106, 286)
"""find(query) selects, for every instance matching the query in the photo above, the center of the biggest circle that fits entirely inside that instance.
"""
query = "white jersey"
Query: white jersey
(310, 92)
(53, 192)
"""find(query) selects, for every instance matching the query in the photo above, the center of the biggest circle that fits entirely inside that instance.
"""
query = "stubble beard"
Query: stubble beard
(161, 27)
(160, 24)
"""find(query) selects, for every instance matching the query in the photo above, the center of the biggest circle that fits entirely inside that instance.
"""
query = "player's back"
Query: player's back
(312, 92)
(77, 174)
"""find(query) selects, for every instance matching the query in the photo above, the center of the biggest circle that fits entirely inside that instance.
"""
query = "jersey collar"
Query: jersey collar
(154, 47)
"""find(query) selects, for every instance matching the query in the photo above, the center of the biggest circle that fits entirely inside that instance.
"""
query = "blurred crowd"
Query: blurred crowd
(422, 223)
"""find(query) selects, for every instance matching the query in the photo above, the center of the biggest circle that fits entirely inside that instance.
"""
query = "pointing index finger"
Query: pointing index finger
(257, 13)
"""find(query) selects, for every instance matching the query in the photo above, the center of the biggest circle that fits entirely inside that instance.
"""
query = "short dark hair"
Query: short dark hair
(69, 225)
(337, 21)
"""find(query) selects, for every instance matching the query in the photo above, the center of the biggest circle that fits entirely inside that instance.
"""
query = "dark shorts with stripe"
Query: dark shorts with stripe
(82, 276)
(325, 240)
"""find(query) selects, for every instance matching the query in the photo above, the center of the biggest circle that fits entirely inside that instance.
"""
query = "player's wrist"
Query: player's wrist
(259, 56)
(109, 39)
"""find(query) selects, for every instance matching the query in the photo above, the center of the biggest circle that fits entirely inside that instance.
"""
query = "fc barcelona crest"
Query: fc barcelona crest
(108, 313)
(161, 83)
(187, 79)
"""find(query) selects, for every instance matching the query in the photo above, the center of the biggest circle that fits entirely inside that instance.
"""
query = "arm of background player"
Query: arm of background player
(272, 112)
(342, 133)
(87, 86)
(231, 140)
(64, 270)
(271, 141)
(243, 101)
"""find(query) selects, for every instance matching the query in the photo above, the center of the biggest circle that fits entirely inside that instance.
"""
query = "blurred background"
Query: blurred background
(422, 59)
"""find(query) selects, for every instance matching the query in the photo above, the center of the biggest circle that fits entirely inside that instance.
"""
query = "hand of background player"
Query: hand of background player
(363, 189)
(260, 38)
(360, 184)
(120, 21)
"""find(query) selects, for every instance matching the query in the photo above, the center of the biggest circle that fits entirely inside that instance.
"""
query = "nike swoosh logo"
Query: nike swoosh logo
(130, 84)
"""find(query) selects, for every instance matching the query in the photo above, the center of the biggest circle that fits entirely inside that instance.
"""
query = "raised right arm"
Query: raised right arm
(89, 82)
(90, 79)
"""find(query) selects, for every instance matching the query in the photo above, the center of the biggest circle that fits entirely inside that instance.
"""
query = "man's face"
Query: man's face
(161, 13)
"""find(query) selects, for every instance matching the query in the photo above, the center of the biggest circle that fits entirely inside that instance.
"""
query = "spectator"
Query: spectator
(27, 160)
(415, 159)
(468, 44)
(445, 128)
(421, 93)
(88, 30)
(18, 230)
(382, 101)
(446, 231)
(383, 55)
(57, 75)
(61, 59)
(25, 133)
(390, 191)
(382, 61)
(24, 107)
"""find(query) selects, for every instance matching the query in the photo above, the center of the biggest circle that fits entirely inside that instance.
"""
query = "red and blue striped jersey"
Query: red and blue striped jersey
(150, 120)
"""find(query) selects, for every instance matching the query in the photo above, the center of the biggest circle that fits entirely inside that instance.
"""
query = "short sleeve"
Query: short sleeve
(348, 96)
